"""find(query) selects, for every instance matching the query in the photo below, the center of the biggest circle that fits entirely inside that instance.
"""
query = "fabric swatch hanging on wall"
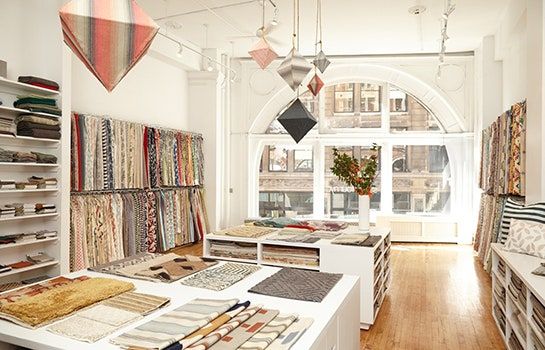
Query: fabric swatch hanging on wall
(108, 227)
(113, 154)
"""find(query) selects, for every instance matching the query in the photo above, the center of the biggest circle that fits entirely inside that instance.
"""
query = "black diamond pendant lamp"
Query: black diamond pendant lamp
(297, 120)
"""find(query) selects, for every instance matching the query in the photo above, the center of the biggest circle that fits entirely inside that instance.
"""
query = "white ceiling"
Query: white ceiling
(350, 26)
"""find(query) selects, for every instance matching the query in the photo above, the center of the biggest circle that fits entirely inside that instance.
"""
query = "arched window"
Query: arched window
(415, 175)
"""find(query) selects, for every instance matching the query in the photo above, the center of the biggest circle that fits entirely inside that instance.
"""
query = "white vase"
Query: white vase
(363, 206)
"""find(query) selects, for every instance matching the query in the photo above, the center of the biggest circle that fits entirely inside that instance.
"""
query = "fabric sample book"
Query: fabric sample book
(298, 284)
(220, 277)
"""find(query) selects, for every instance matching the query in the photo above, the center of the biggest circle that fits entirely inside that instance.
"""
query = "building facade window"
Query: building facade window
(278, 159)
(344, 98)
(303, 161)
(369, 98)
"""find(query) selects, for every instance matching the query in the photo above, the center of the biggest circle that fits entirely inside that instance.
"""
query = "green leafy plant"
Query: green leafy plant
(355, 173)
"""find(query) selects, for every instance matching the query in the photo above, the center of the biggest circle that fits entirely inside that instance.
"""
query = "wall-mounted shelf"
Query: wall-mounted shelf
(28, 217)
(29, 268)
(32, 242)
(28, 139)
(14, 87)
(29, 165)
(45, 190)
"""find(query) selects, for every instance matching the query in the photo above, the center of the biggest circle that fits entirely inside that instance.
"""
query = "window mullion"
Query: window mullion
(319, 179)
(385, 108)
(386, 198)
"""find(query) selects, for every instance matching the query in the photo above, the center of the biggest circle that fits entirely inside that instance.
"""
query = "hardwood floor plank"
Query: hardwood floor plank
(440, 298)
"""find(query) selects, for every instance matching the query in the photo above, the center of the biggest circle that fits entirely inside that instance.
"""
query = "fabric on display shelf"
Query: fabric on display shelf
(245, 330)
(40, 82)
(174, 325)
(237, 250)
(132, 223)
(113, 266)
(291, 255)
(113, 154)
(140, 303)
(488, 226)
(225, 329)
(298, 285)
(246, 231)
(291, 335)
(11, 297)
(50, 305)
(221, 277)
(269, 333)
(518, 211)
(82, 329)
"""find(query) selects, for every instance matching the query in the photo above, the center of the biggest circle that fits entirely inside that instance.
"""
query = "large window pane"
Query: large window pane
(353, 105)
(369, 98)
(408, 114)
(287, 191)
(340, 199)
(421, 179)
(310, 101)
(344, 98)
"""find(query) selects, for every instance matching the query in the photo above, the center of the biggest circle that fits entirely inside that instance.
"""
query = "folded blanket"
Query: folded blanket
(24, 157)
(41, 82)
(39, 133)
(35, 100)
(37, 119)
(45, 158)
(40, 108)
(31, 126)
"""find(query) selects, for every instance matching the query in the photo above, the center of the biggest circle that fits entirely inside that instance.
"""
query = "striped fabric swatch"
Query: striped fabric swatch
(516, 210)
(219, 333)
(291, 335)
(210, 327)
(142, 304)
(175, 325)
(246, 330)
(221, 277)
(269, 333)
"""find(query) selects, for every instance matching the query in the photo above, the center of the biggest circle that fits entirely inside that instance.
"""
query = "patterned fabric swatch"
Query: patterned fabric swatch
(291, 335)
(30, 291)
(246, 231)
(246, 330)
(269, 333)
(176, 268)
(9, 286)
(112, 267)
(221, 277)
(219, 333)
(298, 285)
(82, 329)
(142, 304)
(109, 315)
(526, 237)
(210, 327)
(175, 325)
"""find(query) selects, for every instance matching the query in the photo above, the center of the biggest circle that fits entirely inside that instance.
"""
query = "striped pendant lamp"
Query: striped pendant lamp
(108, 36)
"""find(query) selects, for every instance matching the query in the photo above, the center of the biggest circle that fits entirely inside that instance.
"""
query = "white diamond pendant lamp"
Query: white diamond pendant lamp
(321, 61)
(294, 69)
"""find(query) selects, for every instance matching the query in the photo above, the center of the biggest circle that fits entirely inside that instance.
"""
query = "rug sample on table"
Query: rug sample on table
(112, 267)
(298, 284)
(351, 239)
(220, 277)
(246, 231)
(137, 302)
(30, 291)
(222, 331)
(269, 333)
(41, 309)
(174, 325)
(246, 330)
(291, 335)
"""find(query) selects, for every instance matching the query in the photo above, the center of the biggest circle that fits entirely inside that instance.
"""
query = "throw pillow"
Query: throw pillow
(526, 237)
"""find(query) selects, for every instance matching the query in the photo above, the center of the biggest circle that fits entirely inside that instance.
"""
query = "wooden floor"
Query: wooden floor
(439, 299)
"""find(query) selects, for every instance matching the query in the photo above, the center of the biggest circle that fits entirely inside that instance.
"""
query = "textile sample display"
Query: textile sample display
(517, 290)
(52, 304)
(288, 235)
(269, 333)
(246, 231)
(291, 335)
(237, 250)
(363, 240)
(298, 285)
(174, 325)
(109, 227)
(220, 277)
(33, 290)
(291, 255)
(27, 237)
(538, 314)
(488, 227)
(7, 125)
(38, 126)
(38, 104)
(111, 154)
(140, 303)
(39, 82)
(516, 210)
(26, 157)
(503, 159)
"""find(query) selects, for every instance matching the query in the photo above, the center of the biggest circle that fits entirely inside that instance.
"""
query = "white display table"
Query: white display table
(372, 265)
(335, 318)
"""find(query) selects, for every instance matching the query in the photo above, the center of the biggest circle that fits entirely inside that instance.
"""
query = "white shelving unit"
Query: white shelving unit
(11, 253)
(518, 310)
(351, 260)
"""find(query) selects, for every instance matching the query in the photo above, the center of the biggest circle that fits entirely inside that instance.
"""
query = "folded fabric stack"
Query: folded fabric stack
(43, 183)
(45, 158)
(6, 211)
(237, 250)
(363, 240)
(22, 209)
(538, 314)
(517, 290)
(7, 184)
(276, 222)
(538, 343)
(7, 125)
(25, 237)
(4, 268)
(42, 208)
(291, 255)
(246, 231)
(500, 317)
(6, 155)
(38, 126)
(39, 258)
(514, 342)
(323, 225)
(39, 82)
(24, 157)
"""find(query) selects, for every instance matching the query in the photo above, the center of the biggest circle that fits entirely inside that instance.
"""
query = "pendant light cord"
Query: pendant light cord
(263, 19)
(294, 35)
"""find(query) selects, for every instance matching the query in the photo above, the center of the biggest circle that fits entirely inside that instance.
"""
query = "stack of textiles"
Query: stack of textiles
(113, 154)
(39, 258)
(38, 126)
(7, 212)
(156, 267)
(7, 185)
(246, 231)
(538, 343)
(517, 290)
(215, 325)
(38, 104)
(514, 342)
(538, 314)
(503, 160)
(45, 158)
(43, 182)
(322, 225)
(39, 82)
(22, 209)
(25, 157)
(363, 240)
(501, 269)
(291, 255)
(6, 156)
(32, 307)
(7, 125)
(42, 208)
(500, 317)
(294, 236)
(26, 237)
(4, 268)
(276, 222)
(488, 227)
(109, 227)
(236, 250)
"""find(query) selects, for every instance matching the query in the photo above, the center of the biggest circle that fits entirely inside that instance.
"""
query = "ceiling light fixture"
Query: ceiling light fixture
(180, 50)
(274, 21)
(449, 8)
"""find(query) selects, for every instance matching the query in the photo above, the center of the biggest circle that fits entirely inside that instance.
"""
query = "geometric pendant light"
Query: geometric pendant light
(294, 69)
(297, 120)
(315, 85)
(108, 36)
(262, 52)
(320, 60)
